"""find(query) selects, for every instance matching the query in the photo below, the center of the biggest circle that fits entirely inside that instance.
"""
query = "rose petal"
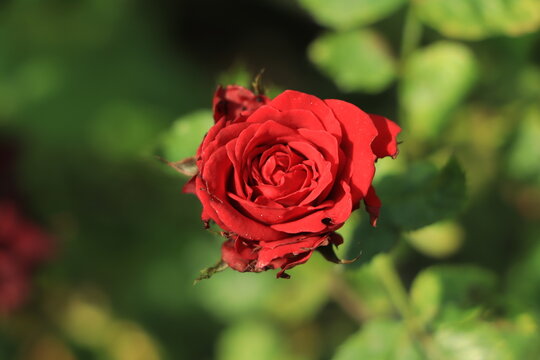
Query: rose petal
(325, 219)
(385, 144)
(237, 260)
(189, 187)
(373, 205)
(358, 134)
(267, 255)
(274, 214)
(292, 262)
(217, 206)
(324, 169)
(291, 99)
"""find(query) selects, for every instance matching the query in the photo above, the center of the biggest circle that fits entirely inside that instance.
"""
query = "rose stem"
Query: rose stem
(386, 272)
(347, 298)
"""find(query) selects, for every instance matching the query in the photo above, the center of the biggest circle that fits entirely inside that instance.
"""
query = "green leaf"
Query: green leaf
(479, 19)
(522, 290)
(309, 287)
(438, 240)
(422, 195)
(472, 341)
(238, 74)
(368, 241)
(435, 80)
(251, 339)
(346, 14)
(378, 340)
(523, 157)
(123, 130)
(251, 292)
(356, 60)
(522, 335)
(374, 297)
(450, 293)
(261, 293)
(417, 198)
(186, 135)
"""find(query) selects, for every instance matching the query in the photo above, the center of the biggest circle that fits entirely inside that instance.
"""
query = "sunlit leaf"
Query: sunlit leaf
(250, 294)
(478, 19)
(472, 341)
(523, 336)
(378, 340)
(309, 287)
(523, 158)
(522, 290)
(262, 293)
(356, 60)
(345, 14)
(248, 339)
(374, 300)
(186, 135)
(438, 240)
(450, 293)
(435, 80)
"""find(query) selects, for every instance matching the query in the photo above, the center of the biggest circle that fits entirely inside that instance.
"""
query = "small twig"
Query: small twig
(257, 83)
(207, 273)
(347, 299)
(187, 166)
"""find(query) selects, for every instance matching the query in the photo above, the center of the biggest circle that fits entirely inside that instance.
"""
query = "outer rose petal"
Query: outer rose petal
(244, 255)
(237, 259)
(324, 220)
(373, 205)
(358, 134)
(385, 144)
(291, 99)
(300, 246)
(189, 187)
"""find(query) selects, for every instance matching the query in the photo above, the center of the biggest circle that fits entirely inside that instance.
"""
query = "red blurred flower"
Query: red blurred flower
(23, 246)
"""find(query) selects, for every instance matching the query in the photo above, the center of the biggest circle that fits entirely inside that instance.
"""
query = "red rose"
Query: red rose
(281, 178)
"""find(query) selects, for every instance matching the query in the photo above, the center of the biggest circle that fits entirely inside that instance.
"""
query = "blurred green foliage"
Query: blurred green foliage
(345, 56)
(92, 90)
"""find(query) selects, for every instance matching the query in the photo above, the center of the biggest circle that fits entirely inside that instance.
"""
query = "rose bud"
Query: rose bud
(280, 176)
(235, 103)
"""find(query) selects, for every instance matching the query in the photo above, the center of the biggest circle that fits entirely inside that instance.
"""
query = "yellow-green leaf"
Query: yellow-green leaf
(345, 14)
(355, 60)
(479, 19)
(436, 79)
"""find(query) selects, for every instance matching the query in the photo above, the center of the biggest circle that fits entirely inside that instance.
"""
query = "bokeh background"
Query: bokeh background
(92, 90)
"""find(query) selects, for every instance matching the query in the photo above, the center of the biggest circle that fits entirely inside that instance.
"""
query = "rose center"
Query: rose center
(278, 172)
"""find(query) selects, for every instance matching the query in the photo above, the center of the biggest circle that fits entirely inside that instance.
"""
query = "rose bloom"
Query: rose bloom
(280, 176)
